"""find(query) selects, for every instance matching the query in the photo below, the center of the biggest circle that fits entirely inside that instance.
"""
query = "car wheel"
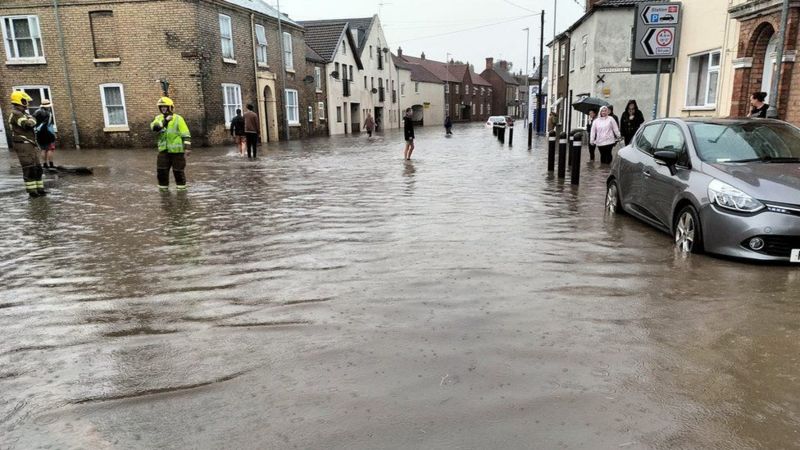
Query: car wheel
(613, 204)
(688, 234)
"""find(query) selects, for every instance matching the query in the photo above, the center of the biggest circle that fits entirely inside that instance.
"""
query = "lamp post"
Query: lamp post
(527, 74)
(447, 85)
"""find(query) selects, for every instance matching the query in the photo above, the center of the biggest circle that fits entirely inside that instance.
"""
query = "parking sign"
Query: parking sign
(658, 27)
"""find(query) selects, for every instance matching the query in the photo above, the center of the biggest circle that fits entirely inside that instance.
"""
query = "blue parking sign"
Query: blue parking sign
(654, 18)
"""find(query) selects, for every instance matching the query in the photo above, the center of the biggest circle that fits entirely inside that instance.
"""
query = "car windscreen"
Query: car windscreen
(744, 142)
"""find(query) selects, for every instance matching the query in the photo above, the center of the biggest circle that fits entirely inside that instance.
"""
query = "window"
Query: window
(344, 48)
(482, 91)
(310, 113)
(447, 88)
(646, 139)
(370, 52)
(261, 41)
(466, 90)
(231, 101)
(104, 34)
(447, 109)
(288, 55)
(351, 74)
(481, 108)
(416, 87)
(572, 59)
(473, 109)
(584, 50)
(37, 93)
(456, 89)
(113, 98)
(292, 107)
(336, 69)
(339, 114)
(318, 78)
(365, 81)
(372, 82)
(562, 51)
(23, 40)
(672, 139)
(701, 87)
(402, 89)
(321, 110)
(226, 36)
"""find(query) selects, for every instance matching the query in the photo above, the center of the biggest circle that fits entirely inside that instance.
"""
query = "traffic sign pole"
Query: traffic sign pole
(658, 88)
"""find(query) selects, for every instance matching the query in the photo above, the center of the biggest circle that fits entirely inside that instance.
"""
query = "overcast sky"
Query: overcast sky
(492, 27)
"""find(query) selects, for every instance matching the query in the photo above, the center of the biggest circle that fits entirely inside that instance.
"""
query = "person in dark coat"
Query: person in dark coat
(448, 125)
(408, 133)
(592, 115)
(612, 115)
(237, 131)
(45, 133)
(631, 120)
(759, 107)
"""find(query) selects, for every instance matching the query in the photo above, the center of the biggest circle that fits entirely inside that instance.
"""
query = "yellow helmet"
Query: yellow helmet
(20, 98)
(165, 101)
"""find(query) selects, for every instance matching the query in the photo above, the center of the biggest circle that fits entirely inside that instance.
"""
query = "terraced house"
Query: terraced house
(100, 63)
(358, 70)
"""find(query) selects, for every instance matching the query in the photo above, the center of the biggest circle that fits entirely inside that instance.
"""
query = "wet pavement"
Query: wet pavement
(332, 295)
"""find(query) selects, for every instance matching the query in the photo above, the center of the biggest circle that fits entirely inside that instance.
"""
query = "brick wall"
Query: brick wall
(754, 37)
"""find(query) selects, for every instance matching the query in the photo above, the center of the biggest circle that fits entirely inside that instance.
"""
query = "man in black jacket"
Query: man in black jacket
(408, 132)
(237, 131)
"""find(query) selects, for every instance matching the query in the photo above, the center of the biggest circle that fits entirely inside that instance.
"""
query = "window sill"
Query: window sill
(699, 108)
(319, 91)
(25, 61)
(229, 61)
(263, 66)
(106, 60)
(290, 70)
(294, 124)
(116, 129)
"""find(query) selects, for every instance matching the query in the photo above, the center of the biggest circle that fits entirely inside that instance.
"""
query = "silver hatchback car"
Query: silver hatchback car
(725, 186)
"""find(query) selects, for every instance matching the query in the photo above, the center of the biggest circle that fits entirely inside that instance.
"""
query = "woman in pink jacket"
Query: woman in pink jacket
(605, 134)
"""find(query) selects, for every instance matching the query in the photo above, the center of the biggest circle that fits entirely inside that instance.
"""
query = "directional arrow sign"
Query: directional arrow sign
(659, 42)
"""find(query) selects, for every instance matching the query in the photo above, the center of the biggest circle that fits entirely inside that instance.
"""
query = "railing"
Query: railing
(345, 87)
(381, 94)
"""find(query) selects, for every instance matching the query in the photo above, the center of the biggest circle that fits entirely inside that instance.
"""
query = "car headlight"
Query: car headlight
(729, 197)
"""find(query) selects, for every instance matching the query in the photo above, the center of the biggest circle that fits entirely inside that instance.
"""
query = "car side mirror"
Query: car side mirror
(667, 158)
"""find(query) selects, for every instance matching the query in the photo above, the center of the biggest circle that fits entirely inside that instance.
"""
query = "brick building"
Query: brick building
(217, 55)
(755, 59)
(317, 116)
(475, 99)
(504, 86)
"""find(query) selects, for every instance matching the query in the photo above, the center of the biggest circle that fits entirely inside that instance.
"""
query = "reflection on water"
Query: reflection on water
(331, 294)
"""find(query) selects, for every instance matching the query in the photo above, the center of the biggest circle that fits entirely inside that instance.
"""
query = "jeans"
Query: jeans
(252, 143)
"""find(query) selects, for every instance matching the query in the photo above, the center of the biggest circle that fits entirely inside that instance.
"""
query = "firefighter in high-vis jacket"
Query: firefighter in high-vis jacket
(174, 141)
(23, 138)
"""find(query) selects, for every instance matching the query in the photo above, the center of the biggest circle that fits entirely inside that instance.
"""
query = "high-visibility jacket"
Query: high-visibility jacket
(174, 136)
(21, 125)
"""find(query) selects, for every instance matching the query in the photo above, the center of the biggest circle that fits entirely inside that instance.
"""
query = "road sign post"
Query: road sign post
(657, 31)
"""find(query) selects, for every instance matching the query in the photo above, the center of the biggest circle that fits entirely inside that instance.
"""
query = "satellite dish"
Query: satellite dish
(335, 74)
(309, 79)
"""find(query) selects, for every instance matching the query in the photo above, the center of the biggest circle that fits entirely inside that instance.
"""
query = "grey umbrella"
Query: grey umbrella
(585, 104)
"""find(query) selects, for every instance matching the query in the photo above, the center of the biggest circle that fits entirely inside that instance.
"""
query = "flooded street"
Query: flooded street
(332, 295)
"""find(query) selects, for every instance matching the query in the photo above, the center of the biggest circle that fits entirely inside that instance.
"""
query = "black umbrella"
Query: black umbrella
(586, 103)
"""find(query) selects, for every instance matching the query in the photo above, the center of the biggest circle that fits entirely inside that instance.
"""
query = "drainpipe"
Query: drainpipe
(259, 100)
(66, 77)
(283, 78)
(776, 78)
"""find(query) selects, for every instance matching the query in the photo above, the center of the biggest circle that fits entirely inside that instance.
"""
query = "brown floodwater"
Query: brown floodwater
(332, 295)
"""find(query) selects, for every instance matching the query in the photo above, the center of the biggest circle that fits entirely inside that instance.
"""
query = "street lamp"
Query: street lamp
(447, 84)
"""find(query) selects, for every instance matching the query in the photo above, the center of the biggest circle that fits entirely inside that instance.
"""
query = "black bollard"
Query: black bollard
(501, 134)
(494, 130)
(511, 136)
(530, 134)
(575, 178)
(562, 155)
(569, 151)
(551, 151)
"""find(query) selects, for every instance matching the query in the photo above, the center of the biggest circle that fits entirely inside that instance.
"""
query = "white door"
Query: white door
(3, 140)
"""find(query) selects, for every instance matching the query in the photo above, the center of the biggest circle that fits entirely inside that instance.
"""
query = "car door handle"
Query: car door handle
(647, 173)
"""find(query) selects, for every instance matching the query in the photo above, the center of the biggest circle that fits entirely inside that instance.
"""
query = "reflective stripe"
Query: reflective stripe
(181, 187)
(40, 184)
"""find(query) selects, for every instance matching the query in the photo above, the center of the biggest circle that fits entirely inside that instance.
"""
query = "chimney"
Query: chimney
(591, 4)
(422, 56)
(503, 64)
(399, 52)
(489, 63)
